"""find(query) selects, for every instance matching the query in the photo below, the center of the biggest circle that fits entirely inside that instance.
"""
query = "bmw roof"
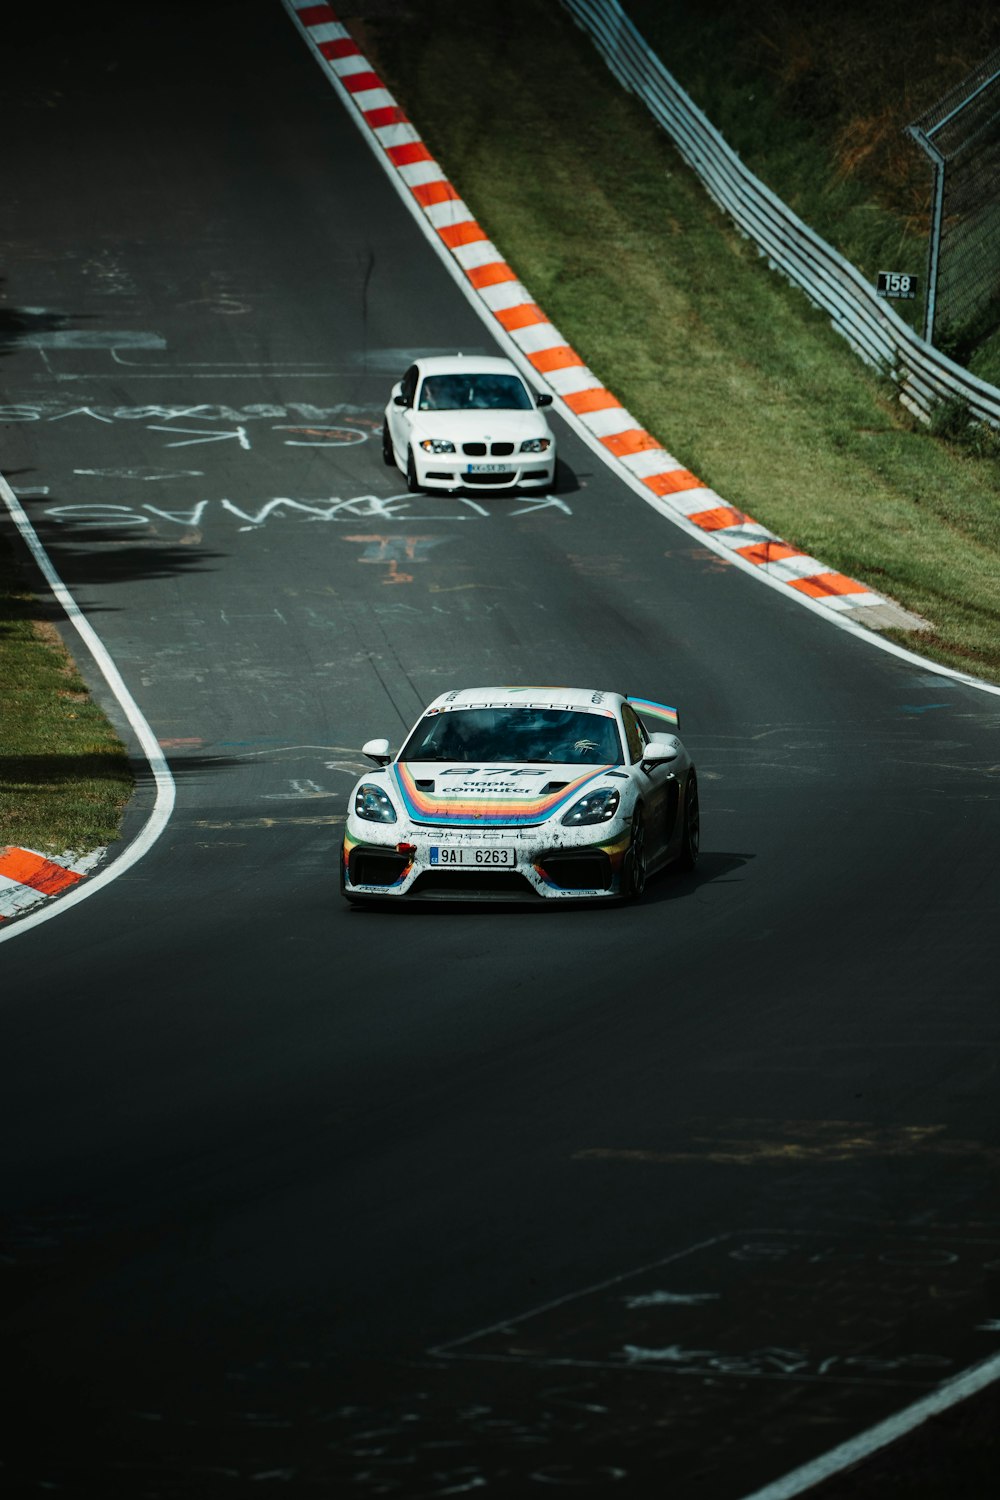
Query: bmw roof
(457, 364)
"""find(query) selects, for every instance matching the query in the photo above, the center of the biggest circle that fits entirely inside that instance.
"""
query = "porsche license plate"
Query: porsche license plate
(488, 469)
(492, 856)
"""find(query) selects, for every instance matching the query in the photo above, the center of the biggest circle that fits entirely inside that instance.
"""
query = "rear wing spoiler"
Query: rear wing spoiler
(656, 715)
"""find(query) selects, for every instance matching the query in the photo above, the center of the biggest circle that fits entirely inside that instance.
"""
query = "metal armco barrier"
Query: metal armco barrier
(925, 378)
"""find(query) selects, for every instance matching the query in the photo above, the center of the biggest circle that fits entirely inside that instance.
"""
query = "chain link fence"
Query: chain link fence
(961, 135)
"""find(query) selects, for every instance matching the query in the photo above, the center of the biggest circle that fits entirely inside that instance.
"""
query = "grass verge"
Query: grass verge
(64, 775)
(732, 369)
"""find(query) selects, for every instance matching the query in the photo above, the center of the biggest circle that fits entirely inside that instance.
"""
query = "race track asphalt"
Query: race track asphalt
(665, 1199)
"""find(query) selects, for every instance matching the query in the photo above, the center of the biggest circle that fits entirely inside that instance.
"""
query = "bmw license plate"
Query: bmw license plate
(488, 469)
(492, 856)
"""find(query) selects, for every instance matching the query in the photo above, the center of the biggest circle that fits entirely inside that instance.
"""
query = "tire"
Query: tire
(691, 835)
(388, 457)
(412, 484)
(634, 877)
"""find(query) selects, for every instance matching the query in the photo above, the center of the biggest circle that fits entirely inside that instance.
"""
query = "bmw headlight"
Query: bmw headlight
(437, 445)
(536, 445)
(372, 804)
(595, 807)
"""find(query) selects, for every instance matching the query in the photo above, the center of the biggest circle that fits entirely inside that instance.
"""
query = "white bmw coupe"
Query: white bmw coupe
(454, 422)
(518, 793)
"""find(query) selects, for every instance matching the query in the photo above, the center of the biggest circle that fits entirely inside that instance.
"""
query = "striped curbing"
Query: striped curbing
(28, 877)
(672, 488)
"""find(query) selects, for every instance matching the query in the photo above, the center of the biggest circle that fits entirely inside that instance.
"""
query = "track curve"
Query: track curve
(534, 1197)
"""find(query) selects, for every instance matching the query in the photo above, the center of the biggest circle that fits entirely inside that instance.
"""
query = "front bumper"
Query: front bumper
(551, 864)
(453, 471)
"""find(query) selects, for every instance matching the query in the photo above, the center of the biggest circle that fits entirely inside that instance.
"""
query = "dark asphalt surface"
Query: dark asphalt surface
(295, 1198)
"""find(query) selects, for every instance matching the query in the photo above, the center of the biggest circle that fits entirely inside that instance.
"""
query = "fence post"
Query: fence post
(934, 238)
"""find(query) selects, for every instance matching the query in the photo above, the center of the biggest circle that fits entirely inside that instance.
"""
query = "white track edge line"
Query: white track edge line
(950, 1393)
(165, 785)
(500, 335)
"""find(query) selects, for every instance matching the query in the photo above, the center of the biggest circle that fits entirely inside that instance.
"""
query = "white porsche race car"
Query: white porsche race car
(454, 422)
(516, 793)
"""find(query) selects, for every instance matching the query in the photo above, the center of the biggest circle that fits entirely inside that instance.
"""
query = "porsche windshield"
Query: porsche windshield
(565, 736)
(472, 392)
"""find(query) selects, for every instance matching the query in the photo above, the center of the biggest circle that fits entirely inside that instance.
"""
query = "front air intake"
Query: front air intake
(376, 866)
(590, 870)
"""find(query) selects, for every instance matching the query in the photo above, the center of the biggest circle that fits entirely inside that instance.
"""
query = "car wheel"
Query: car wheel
(691, 836)
(634, 881)
(388, 457)
(412, 483)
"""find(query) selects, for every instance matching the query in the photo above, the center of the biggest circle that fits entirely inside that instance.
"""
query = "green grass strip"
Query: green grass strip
(64, 775)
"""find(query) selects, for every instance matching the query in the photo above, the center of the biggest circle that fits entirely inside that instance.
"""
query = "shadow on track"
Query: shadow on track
(87, 555)
(666, 885)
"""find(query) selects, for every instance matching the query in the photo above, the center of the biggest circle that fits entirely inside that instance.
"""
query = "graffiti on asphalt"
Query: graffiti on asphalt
(310, 426)
(113, 517)
(889, 1307)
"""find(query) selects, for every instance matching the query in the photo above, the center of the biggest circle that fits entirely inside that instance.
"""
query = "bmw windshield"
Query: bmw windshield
(563, 736)
(474, 393)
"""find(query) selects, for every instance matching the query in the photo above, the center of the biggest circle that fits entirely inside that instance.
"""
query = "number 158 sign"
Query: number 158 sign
(896, 284)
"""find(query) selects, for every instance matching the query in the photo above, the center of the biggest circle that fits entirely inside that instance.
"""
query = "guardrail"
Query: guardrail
(925, 378)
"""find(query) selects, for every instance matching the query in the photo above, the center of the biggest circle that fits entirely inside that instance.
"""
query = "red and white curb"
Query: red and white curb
(587, 404)
(27, 877)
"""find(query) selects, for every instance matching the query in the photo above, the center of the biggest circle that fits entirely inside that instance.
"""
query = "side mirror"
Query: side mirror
(660, 752)
(378, 751)
(400, 400)
(543, 398)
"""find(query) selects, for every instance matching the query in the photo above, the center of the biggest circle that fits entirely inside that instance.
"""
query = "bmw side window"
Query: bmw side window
(409, 384)
(634, 734)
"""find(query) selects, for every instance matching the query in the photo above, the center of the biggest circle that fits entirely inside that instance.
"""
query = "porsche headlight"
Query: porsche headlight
(595, 807)
(437, 445)
(372, 804)
(536, 445)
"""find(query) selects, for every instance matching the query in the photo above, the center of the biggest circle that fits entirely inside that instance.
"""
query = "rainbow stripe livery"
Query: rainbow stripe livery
(646, 709)
(479, 808)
